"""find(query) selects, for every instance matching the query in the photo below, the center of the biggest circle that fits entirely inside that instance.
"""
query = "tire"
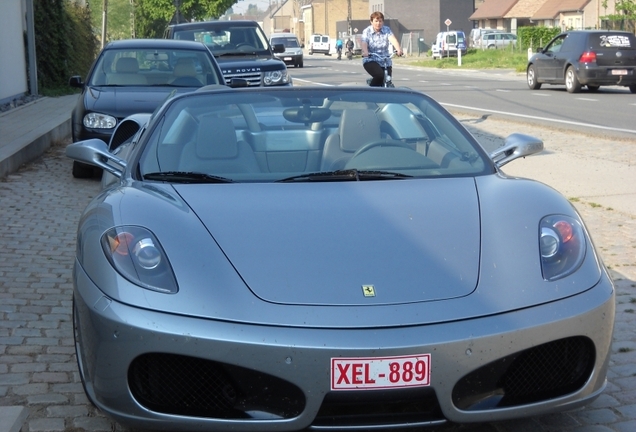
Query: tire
(572, 84)
(300, 64)
(531, 78)
(592, 88)
(632, 88)
(310, 52)
(82, 170)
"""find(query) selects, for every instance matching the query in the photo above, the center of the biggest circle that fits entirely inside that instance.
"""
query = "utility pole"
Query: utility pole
(104, 21)
(349, 17)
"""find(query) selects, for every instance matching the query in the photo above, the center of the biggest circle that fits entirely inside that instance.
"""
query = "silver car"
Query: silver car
(285, 258)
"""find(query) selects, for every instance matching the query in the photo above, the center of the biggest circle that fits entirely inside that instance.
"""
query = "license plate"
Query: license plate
(287, 58)
(619, 71)
(368, 373)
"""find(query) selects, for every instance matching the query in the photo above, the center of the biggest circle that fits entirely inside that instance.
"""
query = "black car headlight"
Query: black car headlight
(137, 255)
(562, 245)
(99, 121)
(277, 77)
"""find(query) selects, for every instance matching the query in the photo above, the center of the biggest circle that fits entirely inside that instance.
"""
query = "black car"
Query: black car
(136, 76)
(241, 49)
(591, 58)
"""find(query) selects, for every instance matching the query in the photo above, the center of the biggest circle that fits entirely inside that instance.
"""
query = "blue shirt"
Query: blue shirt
(378, 43)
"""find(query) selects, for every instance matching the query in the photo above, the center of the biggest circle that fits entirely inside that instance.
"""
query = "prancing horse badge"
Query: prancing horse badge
(368, 290)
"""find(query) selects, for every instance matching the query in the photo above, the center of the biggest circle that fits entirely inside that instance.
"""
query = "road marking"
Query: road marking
(503, 91)
(541, 94)
(546, 119)
(588, 99)
(445, 84)
(314, 82)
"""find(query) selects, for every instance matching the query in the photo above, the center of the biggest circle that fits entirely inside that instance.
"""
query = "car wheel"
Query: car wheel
(491, 47)
(572, 84)
(300, 64)
(531, 76)
(592, 88)
(632, 88)
(82, 170)
(310, 52)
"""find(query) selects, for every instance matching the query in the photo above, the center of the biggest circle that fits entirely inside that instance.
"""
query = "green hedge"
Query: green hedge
(65, 44)
(535, 37)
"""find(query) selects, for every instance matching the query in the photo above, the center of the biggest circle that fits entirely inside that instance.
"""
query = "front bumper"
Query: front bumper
(290, 59)
(126, 353)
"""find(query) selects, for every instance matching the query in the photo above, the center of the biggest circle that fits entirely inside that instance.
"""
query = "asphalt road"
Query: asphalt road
(610, 111)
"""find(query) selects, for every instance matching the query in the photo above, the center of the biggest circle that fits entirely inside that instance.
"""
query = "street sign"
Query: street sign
(448, 22)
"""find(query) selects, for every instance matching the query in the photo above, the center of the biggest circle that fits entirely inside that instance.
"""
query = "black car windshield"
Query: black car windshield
(238, 39)
(289, 42)
(154, 67)
(309, 135)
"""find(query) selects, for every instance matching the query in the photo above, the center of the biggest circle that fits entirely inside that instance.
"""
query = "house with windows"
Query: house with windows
(508, 15)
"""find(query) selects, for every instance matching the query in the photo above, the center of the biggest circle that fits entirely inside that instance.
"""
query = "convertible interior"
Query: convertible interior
(264, 138)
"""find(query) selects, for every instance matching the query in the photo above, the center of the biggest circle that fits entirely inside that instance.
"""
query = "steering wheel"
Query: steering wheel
(380, 143)
(242, 44)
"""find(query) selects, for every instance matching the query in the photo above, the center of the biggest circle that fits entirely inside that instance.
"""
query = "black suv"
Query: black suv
(585, 57)
(241, 49)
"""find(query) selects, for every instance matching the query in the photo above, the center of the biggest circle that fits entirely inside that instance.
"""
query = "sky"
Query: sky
(241, 6)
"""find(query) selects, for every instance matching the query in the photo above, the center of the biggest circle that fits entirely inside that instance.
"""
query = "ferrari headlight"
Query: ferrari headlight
(277, 77)
(137, 255)
(562, 246)
(99, 121)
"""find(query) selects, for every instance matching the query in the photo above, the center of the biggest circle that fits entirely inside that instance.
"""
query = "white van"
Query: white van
(448, 43)
(293, 54)
(319, 44)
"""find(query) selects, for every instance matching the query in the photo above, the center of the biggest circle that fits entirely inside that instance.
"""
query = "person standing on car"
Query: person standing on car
(377, 39)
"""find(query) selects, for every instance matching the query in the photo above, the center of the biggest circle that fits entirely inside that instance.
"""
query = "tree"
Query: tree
(625, 14)
(153, 16)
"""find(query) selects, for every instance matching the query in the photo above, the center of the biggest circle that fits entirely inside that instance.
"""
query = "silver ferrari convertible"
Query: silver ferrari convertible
(329, 258)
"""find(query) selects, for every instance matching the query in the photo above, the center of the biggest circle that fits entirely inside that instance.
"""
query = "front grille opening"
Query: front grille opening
(540, 373)
(379, 408)
(190, 386)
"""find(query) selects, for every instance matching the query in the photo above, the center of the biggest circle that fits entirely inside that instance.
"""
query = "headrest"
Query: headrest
(216, 139)
(127, 65)
(184, 67)
(358, 127)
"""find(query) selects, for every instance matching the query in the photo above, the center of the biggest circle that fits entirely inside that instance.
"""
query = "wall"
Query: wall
(13, 67)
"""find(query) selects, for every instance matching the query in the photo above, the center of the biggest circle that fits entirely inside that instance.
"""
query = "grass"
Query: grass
(507, 58)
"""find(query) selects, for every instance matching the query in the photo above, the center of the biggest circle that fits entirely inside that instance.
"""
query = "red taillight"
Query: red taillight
(588, 57)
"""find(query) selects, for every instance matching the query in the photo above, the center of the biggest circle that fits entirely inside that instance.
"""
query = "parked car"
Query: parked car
(591, 58)
(293, 54)
(448, 44)
(319, 44)
(329, 258)
(497, 40)
(474, 38)
(135, 76)
(241, 49)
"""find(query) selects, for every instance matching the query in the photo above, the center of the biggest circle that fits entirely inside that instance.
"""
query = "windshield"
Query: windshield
(240, 39)
(154, 67)
(289, 42)
(308, 135)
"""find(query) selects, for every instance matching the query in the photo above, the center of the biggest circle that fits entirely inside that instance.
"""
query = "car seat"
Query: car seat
(126, 73)
(215, 150)
(357, 128)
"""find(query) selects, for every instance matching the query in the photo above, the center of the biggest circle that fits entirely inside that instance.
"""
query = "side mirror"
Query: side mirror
(238, 82)
(515, 146)
(76, 81)
(95, 152)
(540, 49)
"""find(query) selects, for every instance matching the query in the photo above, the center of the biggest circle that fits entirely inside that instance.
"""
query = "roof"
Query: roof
(493, 9)
(155, 43)
(525, 8)
(551, 9)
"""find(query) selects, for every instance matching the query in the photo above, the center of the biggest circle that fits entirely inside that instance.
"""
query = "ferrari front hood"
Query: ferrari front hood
(351, 243)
